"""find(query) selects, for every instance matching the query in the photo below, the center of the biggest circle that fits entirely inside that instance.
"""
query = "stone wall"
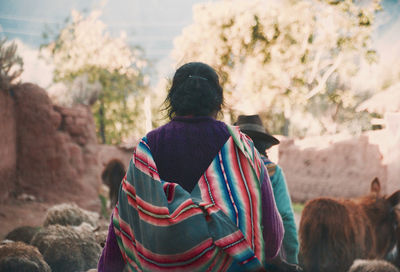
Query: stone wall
(330, 166)
(109, 153)
(52, 149)
(48, 155)
(8, 146)
(392, 150)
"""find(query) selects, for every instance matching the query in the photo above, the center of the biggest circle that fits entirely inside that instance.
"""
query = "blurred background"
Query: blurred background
(323, 74)
(307, 66)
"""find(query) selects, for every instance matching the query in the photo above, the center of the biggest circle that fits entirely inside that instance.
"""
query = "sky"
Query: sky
(150, 24)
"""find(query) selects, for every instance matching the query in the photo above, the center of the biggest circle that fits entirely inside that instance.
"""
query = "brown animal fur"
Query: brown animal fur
(68, 249)
(333, 233)
(372, 266)
(21, 257)
(22, 234)
(69, 214)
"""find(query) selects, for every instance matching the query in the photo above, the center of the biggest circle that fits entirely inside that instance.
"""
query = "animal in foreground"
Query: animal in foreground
(69, 214)
(18, 256)
(22, 234)
(372, 266)
(335, 232)
(68, 248)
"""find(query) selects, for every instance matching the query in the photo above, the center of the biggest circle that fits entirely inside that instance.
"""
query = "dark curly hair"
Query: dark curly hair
(195, 91)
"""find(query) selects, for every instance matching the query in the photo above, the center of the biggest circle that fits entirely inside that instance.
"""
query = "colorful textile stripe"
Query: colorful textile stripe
(217, 227)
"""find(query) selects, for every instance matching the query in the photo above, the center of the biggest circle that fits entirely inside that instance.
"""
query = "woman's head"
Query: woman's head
(195, 91)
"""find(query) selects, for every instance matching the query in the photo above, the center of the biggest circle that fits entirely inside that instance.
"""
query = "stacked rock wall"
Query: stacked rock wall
(48, 154)
(326, 166)
(8, 144)
(52, 149)
(390, 147)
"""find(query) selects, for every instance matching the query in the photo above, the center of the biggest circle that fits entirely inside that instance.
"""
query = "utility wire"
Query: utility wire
(117, 24)
(29, 19)
(20, 32)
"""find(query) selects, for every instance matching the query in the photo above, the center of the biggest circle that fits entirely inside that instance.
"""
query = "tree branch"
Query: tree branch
(315, 66)
(325, 77)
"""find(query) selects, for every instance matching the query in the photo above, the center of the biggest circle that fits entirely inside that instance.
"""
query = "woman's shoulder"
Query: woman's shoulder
(157, 131)
(188, 124)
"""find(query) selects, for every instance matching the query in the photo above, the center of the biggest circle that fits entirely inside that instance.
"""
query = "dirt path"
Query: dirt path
(16, 213)
(21, 213)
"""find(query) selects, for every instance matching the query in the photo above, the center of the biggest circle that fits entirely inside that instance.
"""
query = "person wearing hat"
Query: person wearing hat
(253, 127)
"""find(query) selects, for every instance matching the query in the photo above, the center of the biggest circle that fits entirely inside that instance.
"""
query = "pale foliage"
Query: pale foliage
(11, 65)
(84, 42)
(278, 57)
(93, 68)
(79, 91)
(36, 69)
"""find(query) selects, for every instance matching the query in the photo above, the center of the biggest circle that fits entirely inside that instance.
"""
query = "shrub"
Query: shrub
(11, 65)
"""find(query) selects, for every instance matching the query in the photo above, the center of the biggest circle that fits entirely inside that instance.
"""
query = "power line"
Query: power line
(132, 37)
(143, 24)
(18, 32)
(116, 24)
(27, 19)
(150, 38)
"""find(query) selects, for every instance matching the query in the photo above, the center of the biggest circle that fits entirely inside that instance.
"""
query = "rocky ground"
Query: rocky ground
(18, 212)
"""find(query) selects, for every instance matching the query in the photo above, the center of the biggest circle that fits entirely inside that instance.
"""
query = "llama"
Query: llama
(335, 232)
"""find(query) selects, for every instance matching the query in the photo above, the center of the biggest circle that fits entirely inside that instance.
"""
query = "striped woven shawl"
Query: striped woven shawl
(217, 227)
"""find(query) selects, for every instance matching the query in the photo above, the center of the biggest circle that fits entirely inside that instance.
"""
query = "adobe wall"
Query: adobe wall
(55, 148)
(48, 155)
(328, 166)
(391, 149)
(108, 153)
(8, 146)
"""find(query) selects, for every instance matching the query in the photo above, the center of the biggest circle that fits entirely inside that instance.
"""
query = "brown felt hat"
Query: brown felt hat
(253, 126)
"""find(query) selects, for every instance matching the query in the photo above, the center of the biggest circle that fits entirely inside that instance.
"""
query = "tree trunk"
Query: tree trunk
(285, 129)
(102, 122)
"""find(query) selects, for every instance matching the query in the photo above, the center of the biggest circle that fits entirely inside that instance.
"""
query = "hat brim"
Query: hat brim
(269, 139)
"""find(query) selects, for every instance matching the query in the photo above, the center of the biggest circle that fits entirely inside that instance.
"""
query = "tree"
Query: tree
(101, 71)
(11, 65)
(288, 60)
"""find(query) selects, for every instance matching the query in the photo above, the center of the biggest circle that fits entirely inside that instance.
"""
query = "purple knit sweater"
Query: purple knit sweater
(182, 150)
